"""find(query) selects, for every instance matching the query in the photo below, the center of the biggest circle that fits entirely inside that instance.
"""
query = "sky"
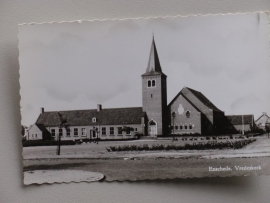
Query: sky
(77, 65)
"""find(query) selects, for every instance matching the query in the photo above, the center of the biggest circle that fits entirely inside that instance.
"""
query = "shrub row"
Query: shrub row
(194, 146)
(32, 143)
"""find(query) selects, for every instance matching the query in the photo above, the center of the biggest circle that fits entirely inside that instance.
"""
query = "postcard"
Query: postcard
(136, 99)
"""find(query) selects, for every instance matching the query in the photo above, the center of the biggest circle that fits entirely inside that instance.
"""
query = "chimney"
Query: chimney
(41, 110)
(99, 107)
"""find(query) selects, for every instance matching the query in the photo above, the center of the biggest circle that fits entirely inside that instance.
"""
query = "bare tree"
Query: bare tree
(267, 128)
(62, 124)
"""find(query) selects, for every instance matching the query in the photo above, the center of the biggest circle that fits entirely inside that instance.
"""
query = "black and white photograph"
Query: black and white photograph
(146, 98)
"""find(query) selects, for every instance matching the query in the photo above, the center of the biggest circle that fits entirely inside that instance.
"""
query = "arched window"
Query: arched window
(188, 114)
(190, 126)
(153, 83)
(149, 83)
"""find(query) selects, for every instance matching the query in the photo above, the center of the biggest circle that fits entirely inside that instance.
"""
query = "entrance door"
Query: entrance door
(153, 128)
(93, 134)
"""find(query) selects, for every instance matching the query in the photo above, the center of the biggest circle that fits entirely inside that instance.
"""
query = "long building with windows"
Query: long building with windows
(189, 112)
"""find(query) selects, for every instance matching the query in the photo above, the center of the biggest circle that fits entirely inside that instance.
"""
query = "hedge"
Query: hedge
(194, 146)
(32, 143)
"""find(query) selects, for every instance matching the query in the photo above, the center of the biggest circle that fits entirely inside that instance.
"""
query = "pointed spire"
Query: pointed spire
(153, 63)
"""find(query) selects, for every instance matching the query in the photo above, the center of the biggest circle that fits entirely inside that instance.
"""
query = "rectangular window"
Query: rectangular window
(190, 126)
(128, 131)
(68, 132)
(176, 127)
(111, 130)
(181, 127)
(185, 126)
(53, 132)
(119, 132)
(60, 132)
(83, 132)
(36, 135)
(135, 129)
(76, 132)
(103, 131)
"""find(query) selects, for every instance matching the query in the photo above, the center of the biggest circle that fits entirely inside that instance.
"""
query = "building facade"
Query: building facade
(190, 112)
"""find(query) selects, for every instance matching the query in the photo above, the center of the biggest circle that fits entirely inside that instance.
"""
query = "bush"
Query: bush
(33, 143)
(187, 146)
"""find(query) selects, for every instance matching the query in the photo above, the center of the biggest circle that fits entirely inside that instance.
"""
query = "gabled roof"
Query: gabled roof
(114, 116)
(153, 62)
(42, 127)
(238, 120)
(264, 118)
(203, 99)
(199, 96)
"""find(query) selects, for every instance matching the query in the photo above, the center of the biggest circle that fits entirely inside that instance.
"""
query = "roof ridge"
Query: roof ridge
(92, 109)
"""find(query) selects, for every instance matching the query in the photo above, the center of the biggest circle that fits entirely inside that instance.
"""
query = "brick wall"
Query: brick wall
(180, 106)
(155, 101)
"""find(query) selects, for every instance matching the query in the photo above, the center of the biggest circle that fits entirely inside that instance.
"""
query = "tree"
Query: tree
(23, 130)
(267, 128)
(62, 124)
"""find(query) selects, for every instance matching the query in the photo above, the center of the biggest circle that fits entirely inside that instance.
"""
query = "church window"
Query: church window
(188, 114)
(149, 83)
(185, 127)
(181, 127)
(153, 83)
(190, 126)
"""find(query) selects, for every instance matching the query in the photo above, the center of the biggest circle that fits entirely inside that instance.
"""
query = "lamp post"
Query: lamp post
(173, 116)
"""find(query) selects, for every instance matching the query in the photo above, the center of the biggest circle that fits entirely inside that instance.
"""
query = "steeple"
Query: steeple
(153, 63)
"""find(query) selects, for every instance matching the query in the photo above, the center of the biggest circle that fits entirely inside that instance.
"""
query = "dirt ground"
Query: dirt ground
(149, 165)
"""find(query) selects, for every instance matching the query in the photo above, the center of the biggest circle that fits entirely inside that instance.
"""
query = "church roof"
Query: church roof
(153, 63)
(237, 119)
(113, 116)
(203, 99)
(199, 96)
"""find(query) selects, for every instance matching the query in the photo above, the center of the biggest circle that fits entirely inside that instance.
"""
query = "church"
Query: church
(190, 112)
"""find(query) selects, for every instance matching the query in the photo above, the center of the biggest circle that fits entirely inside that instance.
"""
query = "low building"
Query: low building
(37, 132)
(262, 121)
(240, 123)
(114, 123)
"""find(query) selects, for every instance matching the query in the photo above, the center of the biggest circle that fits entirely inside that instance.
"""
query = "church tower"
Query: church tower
(154, 95)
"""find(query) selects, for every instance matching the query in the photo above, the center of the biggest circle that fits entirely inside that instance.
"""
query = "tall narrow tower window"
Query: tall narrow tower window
(153, 83)
(149, 83)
